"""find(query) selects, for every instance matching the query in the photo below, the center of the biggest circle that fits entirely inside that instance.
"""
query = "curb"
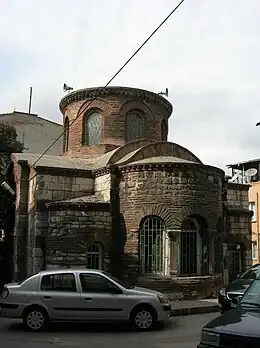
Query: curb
(177, 312)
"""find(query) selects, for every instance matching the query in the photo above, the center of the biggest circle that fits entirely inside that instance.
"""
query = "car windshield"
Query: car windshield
(252, 295)
(123, 283)
(22, 281)
(251, 273)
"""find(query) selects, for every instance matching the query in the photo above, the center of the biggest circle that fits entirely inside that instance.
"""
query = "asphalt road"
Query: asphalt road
(181, 332)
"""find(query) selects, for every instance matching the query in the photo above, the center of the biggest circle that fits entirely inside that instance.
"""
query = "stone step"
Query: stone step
(185, 288)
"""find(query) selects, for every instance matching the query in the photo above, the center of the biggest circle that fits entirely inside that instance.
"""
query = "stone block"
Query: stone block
(37, 252)
(76, 187)
(43, 195)
(87, 182)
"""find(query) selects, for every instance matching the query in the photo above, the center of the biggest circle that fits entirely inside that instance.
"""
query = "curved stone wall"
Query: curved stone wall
(172, 192)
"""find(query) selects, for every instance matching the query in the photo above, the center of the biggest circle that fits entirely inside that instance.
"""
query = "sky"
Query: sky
(207, 54)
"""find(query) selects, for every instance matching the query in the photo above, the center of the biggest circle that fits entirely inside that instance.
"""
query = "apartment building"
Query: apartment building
(35, 132)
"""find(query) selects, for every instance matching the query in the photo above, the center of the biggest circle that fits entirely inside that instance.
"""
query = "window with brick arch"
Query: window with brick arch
(66, 135)
(92, 128)
(164, 130)
(134, 126)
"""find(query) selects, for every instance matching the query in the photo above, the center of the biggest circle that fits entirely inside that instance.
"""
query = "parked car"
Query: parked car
(237, 328)
(229, 296)
(81, 295)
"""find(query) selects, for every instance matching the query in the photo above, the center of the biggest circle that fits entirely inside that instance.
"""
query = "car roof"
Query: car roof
(69, 270)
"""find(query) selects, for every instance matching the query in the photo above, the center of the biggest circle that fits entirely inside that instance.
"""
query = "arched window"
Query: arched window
(66, 135)
(92, 129)
(164, 130)
(134, 126)
(94, 256)
(194, 251)
(152, 243)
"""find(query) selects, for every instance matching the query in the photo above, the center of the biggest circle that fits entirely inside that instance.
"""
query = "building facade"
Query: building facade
(249, 172)
(237, 234)
(254, 206)
(34, 132)
(121, 198)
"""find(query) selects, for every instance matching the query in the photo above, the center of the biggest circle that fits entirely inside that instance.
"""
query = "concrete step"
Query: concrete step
(182, 308)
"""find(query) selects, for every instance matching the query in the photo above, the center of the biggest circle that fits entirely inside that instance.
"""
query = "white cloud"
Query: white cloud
(207, 54)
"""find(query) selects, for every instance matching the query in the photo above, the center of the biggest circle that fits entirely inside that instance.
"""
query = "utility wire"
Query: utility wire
(112, 78)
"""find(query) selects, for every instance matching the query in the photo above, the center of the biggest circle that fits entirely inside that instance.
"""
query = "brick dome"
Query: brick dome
(119, 115)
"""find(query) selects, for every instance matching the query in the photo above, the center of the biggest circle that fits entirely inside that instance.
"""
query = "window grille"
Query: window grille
(134, 126)
(92, 129)
(94, 257)
(152, 246)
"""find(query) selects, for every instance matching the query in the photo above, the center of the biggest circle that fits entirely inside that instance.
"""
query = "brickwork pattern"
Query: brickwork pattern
(171, 194)
(237, 198)
(32, 221)
(70, 233)
(103, 186)
(58, 187)
(113, 109)
(21, 222)
(238, 221)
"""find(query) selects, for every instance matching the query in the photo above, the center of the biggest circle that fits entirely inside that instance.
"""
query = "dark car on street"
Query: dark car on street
(228, 297)
(237, 328)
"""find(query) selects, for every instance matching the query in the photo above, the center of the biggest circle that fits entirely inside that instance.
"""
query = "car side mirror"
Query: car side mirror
(114, 289)
(238, 275)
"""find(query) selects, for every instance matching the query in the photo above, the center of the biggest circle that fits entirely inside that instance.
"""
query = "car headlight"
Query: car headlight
(223, 292)
(163, 299)
(209, 338)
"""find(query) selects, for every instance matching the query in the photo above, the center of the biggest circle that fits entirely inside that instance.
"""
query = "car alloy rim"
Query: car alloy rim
(143, 319)
(35, 320)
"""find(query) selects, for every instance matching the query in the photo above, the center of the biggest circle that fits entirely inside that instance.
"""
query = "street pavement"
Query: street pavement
(180, 332)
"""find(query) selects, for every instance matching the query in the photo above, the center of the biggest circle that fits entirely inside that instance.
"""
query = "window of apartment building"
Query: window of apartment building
(252, 207)
(254, 250)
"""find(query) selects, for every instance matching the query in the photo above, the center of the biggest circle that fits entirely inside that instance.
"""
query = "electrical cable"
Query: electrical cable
(112, 78)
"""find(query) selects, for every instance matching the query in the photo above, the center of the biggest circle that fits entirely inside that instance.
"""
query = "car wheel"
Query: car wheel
(36, 319)
(143, 318)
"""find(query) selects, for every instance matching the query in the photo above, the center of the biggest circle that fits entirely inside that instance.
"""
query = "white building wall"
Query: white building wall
(36, 133)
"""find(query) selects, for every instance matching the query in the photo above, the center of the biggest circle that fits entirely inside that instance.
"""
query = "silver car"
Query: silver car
(81, 295)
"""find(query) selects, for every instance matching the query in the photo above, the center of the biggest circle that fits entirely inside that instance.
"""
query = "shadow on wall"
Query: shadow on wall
(6, 247)
(118, 228)
(121, 265)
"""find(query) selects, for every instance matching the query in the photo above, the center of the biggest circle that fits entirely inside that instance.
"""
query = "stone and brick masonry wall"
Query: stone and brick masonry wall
(113, 109)
(103, 186)
(32, 217)
(21, 223)
(173, 195)
(238, 220)
(70, 232)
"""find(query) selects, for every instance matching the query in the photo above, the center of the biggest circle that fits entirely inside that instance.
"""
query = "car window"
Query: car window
(94, 283)
(253, 293)
(126, 284)
(251, 274)
(59, 282)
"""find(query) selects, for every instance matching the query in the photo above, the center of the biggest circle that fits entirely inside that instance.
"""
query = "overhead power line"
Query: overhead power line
(112, 78)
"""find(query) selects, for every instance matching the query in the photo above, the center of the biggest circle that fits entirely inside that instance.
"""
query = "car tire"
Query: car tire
(36, 319)
(143, 318)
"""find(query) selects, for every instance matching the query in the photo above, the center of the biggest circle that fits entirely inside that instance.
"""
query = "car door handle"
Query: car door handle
(47, 297)
(88, 299)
